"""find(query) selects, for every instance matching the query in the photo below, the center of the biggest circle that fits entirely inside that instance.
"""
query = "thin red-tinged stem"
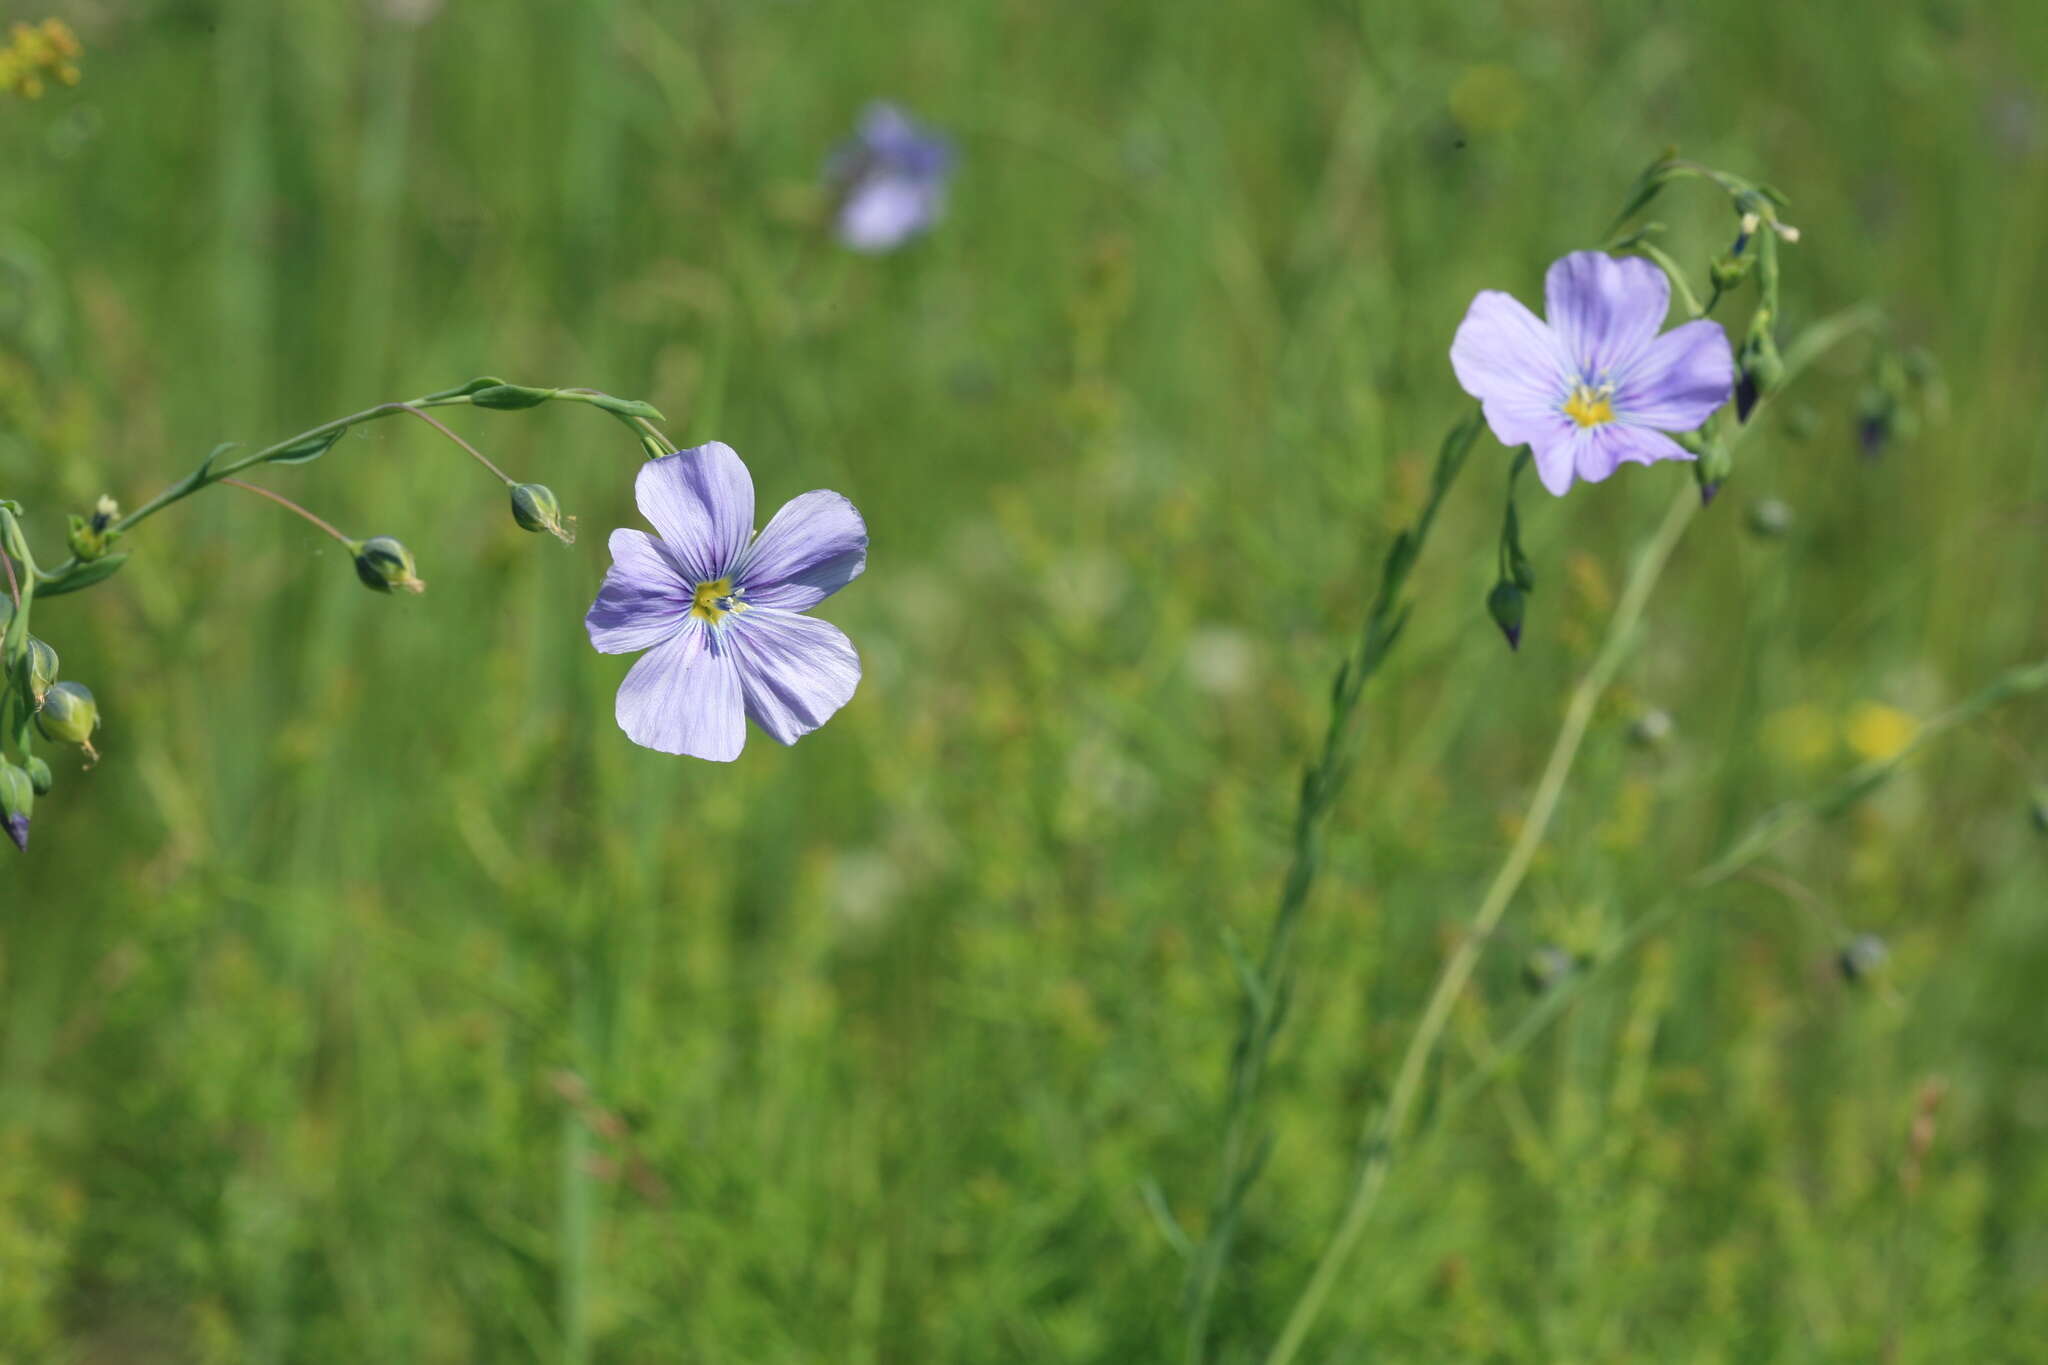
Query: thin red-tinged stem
(13, 583)
(289, 505)
(443, 428)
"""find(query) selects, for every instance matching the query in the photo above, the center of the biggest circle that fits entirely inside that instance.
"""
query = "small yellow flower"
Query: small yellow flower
(1877, 732)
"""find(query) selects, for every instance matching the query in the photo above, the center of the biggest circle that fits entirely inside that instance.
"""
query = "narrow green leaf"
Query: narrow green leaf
(309, 449)
(83, 576)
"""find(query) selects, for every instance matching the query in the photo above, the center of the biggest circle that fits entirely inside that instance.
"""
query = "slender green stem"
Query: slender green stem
(1265, 985)
(475, 454)
(290, 506)
(1743, 852)
(207, 474)
(1388, 1129)
(1392, 1123)
(13, 583)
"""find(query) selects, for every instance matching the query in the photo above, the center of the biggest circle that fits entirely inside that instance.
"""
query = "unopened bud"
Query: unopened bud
(1770, 518)
(1504, 604)
(1712, 469)
(1730, 270)
(1762, 370)
(17, 802)
(1547, 966)
(535, 508)
(69, 716)
(40, 778)
(1651, 729)
(1876, 418)
(90, 537)
(383, 564)
(42, 668)
(1862, 958)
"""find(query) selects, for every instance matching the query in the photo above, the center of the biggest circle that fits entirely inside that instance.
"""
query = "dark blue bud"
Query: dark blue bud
(1504, 604)
(17, 802)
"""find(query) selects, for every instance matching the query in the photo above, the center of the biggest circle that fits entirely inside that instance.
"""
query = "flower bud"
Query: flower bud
(1762, 370)
(1862, 958)
(42, 668)
(69, 716)
(383, 564)
(1712, 469)
(1651, 729)
(40, 779)
(1770, 518)
(1504, 604)
(90, 536)
(1546, 967)
(17, 801)
(535, 508)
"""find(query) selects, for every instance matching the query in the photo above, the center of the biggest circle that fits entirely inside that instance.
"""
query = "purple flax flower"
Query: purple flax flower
(1595, 385)
(891, 177)
(719, 609)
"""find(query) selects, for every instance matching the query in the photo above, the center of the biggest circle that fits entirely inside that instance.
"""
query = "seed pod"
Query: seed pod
(535, 508)
(42, 668)
(384, 564)
(69, 716)
(17, 802)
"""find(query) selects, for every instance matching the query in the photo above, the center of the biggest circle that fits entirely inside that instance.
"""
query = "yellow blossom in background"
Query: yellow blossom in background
(1877, 732)
(35, 53)
(1801, 736)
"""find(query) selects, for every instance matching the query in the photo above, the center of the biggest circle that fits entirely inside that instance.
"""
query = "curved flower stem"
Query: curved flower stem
(1393, 1121)
(475, 454)
(1265, 984)
(289, 506)
(13, 583)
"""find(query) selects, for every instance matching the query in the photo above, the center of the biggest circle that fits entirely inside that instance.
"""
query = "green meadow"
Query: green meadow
(374, 999)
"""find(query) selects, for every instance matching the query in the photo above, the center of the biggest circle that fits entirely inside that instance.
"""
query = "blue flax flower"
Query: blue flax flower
(1594, 385)
(891, 176)
(719, 609)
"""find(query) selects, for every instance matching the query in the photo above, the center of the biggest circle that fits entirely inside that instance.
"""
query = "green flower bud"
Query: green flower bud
(1504, 603)
(90, 537)
(1712, 469)
(39, 776)
(42, 668)
(535, 508)
(383, 564)
(1651, 729)
(1770, 518)
(1729, 271)
(69, 716)
(1862, 959)
(17, 801)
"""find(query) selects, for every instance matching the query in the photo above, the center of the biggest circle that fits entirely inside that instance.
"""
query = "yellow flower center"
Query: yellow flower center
(1590, 407)
(715, 600)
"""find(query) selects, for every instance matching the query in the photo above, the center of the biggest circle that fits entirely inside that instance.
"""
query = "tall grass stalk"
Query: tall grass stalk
(1266, 983)
(1390, 1126)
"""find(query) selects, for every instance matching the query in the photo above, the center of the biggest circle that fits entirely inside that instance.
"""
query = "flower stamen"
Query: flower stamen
(1590, 407)
(715, 599)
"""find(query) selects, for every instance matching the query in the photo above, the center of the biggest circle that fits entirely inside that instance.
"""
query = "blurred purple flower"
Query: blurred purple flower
(718, 609)
(891, 177)
(1595, 385)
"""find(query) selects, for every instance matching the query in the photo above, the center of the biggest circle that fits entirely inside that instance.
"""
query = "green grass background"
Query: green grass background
(375, 1000)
